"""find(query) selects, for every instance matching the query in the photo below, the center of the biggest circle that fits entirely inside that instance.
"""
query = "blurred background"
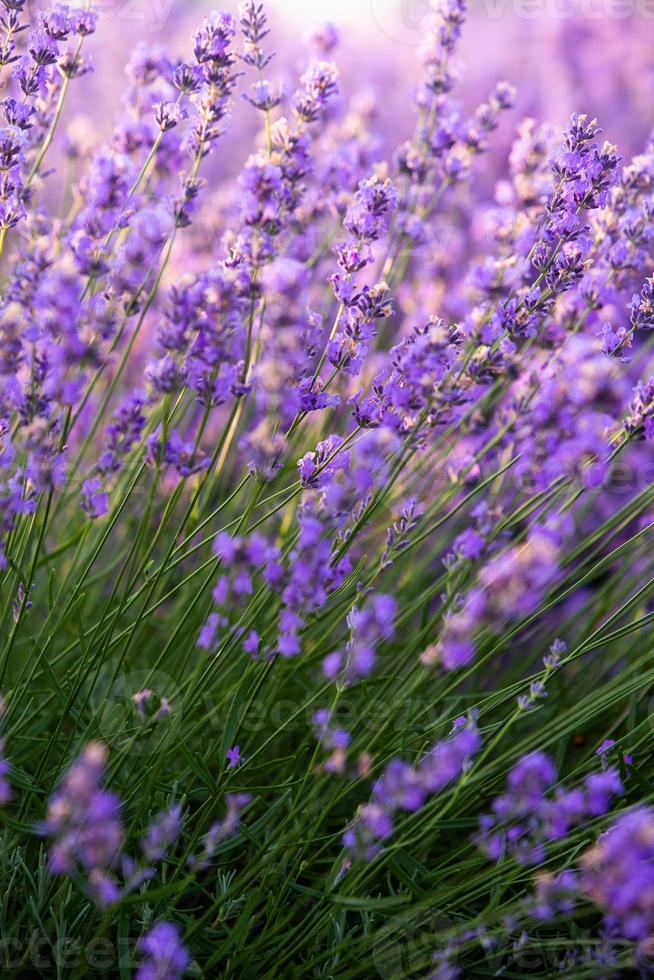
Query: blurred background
(591, 56)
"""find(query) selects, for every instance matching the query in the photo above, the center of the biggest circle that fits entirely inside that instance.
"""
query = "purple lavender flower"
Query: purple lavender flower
(369, 624)
(310, 578)
(325, 38)
(124, 433)
(618, 874)
(530, 814)
(5, 787)
(404, 787)
(318, 85)
(333, 739)
(222, 829)
(639, 421)
(95, 499)
(212, 40)
(84, 824)
(162, 833)
(165, 955)
(555, 895)
(318, 468)
(511, 585)
(425, 347)
(151, 705)
(253, 21)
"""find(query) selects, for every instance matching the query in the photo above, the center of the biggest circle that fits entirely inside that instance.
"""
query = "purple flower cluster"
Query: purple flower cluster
(241, 558)
(5, 786)
(312, 576)
(84, 823)
(334, 740)
(305, 419)
(407, 788)
(164, 955)
(360, 309)
(302, 584)
(531, 814)
(40, 67)
(221, 830)
(511, 583)
(618, 874)
(162, 834)
(369, 624)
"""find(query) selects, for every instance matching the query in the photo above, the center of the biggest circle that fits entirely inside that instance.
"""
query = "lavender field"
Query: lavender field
(327, 490)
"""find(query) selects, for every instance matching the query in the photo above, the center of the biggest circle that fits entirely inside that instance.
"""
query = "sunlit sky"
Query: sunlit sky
(401, 19)
(341, 11)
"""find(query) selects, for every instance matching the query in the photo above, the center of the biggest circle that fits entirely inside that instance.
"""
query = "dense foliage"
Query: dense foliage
(326, 514)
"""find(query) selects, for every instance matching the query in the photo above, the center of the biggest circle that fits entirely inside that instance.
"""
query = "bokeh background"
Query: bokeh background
(590, 56)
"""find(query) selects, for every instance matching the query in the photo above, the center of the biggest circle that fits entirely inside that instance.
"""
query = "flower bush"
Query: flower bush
(326, 516)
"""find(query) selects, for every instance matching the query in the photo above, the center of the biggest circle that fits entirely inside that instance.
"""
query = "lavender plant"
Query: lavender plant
(325, 550)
